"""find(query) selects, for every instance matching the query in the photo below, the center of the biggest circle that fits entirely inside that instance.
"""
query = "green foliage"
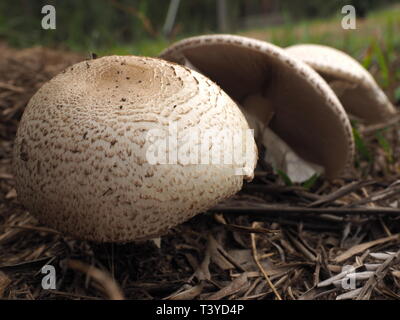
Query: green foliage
(375, 42)
(83, 25)
(367, 60)
(397, 95)
(125, 25)
(288, 182)
(313, 8)
(310, 182)
(362, 150)
(385, 145)
(382, 63)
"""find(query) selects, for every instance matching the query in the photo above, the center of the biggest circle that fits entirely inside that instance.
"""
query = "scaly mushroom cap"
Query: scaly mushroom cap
(81, 154)
(307, 114)
(354, 85)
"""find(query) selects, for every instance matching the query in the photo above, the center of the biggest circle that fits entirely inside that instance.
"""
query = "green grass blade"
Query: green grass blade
(309, 183)
(361, 148)
(288, 182)
(383, 65)
(385, 145)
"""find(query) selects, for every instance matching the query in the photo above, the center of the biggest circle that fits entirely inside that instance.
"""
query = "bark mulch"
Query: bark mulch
(326, 240)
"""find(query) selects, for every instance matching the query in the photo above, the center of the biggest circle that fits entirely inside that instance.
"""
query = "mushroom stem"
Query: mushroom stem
(258, 111)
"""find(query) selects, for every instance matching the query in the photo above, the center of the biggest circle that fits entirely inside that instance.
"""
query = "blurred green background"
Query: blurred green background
(138, 26)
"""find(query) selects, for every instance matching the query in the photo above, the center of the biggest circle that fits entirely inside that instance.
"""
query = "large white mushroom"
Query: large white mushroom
(86, 163)
(353, 84)
(292, 109)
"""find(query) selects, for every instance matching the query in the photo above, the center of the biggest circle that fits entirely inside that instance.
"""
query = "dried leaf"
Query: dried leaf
(364, 246)
(234, 287)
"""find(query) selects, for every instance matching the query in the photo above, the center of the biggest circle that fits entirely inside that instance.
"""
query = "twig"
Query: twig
(372, 128)
(26, 264)
(301, 247)
(255, 256)
(341, 192)
(73, 295)
(377, 276)
(233, 287)
(186, 292)
(38, 229)
(111, 288)
(281, 189)
(349, 295)
(380, 195)
(11, 87)
(261, 210)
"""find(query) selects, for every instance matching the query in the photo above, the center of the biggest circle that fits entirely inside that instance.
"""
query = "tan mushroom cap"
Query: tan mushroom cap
(354, 85)
(307, 114)
(81, 151)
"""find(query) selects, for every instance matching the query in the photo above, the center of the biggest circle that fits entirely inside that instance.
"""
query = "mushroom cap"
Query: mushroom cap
(81, 155)
(307, 114)
(361, 97)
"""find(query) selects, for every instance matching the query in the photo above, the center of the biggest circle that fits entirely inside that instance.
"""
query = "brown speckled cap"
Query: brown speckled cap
(80, 154)
(307, 114)
(354, 85)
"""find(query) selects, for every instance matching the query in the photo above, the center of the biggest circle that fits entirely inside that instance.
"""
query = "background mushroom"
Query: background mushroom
(352, 83)
(81, 151)
(277, 91)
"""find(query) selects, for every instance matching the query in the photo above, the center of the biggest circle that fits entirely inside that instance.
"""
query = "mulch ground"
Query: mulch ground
(333, 240)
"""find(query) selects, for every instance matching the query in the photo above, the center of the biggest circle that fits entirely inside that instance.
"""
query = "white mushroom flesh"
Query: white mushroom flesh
(81, 152)
(278, 154)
